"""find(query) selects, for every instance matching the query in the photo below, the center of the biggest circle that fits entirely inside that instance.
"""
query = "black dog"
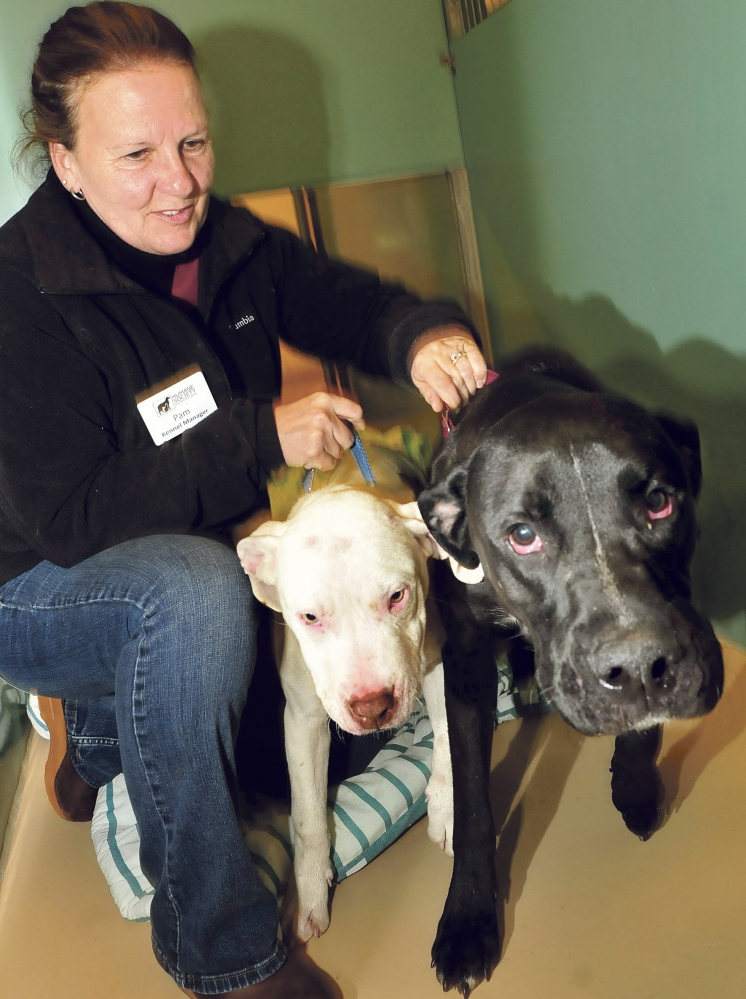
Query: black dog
(579, 505)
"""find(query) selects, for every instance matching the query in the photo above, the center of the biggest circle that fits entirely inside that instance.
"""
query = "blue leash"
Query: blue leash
(358, 453)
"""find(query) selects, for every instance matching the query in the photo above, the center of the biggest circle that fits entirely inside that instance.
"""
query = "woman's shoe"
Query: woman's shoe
(298, 978)
(69, 795)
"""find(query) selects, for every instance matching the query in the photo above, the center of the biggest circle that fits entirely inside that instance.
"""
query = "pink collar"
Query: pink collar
(445, 420)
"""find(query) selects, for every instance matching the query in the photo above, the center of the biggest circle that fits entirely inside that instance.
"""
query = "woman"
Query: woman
(139, 326)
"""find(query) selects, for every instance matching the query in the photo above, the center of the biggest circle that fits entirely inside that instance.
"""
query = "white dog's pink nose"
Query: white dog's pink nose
(372, 710)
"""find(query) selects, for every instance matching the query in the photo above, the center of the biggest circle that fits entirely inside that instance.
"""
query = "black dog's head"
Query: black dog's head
(580, 508)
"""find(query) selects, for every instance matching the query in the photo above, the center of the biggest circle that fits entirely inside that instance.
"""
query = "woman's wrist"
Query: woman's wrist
(438, 333)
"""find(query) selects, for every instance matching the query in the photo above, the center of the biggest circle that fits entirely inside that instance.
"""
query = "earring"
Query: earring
(78, 195)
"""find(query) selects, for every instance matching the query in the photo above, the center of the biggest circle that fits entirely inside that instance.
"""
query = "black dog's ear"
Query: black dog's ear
(685, 436)
(443, 508)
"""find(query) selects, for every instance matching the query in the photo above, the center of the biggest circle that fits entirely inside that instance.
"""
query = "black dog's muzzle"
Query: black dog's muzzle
(616, 680)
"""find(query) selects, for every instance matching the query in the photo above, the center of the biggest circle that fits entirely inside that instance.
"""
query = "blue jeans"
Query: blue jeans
(152, 645)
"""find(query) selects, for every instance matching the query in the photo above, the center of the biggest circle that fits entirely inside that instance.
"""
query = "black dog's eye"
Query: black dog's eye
(659, 504)
(524, 540)
(523, 534)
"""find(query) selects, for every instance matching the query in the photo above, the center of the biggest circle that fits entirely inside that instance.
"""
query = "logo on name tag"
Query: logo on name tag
(176, 405)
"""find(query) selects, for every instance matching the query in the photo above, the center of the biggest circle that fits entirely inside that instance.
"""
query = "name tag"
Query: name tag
(173, 407)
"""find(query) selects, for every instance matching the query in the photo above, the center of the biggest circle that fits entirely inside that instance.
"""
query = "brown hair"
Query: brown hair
(102, 37)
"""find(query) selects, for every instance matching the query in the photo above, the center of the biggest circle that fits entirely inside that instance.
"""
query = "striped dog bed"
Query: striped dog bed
(366, 813)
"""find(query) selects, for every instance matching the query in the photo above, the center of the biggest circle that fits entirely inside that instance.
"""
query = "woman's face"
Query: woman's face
(142, 156)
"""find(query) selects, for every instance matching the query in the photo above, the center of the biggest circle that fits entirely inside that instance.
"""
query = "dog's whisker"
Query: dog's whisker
(441, 602)
(335, 730)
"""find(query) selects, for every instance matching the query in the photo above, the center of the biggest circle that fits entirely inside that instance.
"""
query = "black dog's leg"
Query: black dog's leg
(636, 785)
(467, 944)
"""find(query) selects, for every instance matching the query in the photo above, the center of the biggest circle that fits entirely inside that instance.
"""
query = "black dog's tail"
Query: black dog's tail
(541, 359)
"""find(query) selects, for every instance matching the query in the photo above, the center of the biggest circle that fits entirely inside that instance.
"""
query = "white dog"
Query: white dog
(348, 572)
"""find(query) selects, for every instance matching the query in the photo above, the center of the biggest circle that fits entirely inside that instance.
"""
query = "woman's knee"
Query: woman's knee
(199, 608)
(203, 576)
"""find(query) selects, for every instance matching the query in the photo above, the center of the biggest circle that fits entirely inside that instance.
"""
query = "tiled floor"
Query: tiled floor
(590, 911)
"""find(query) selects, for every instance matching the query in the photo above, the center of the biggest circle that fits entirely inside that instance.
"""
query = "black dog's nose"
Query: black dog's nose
(636, 665)
(653, 675)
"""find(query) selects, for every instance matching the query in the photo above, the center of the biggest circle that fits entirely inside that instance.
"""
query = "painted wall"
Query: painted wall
(606, 150)
(300, 92)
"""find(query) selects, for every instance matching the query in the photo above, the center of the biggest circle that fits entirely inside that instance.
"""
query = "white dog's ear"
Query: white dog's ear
(258, 555)
(410, 512)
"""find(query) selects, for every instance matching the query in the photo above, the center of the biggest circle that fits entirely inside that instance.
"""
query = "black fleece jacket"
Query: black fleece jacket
(79, 340)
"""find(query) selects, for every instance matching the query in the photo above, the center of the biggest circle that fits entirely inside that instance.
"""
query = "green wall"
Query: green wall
(606, 150)
(300, 92)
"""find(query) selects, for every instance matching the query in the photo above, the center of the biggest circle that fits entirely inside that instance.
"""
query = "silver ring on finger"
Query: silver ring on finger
(457, 355)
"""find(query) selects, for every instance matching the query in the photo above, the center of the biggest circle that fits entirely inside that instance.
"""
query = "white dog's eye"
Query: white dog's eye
(398, 599)
(309, 618)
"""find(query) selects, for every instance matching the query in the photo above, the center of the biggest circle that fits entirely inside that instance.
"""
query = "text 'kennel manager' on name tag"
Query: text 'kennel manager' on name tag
(175, 405)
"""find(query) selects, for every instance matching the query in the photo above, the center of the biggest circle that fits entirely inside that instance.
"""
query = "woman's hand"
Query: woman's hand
(312, 432)
(448, 371)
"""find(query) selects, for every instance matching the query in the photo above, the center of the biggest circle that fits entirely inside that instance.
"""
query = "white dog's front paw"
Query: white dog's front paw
(439, 796)
(313, 904)
(312, 922)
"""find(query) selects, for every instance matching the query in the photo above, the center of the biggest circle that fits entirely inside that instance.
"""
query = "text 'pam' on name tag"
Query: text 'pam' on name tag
(175, 406)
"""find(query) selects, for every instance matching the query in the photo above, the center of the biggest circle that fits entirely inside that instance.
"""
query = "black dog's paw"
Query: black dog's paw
(466, 951)
(641, 817)
(637, 790)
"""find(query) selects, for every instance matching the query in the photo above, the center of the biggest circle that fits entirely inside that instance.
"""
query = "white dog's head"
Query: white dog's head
(348, 571)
